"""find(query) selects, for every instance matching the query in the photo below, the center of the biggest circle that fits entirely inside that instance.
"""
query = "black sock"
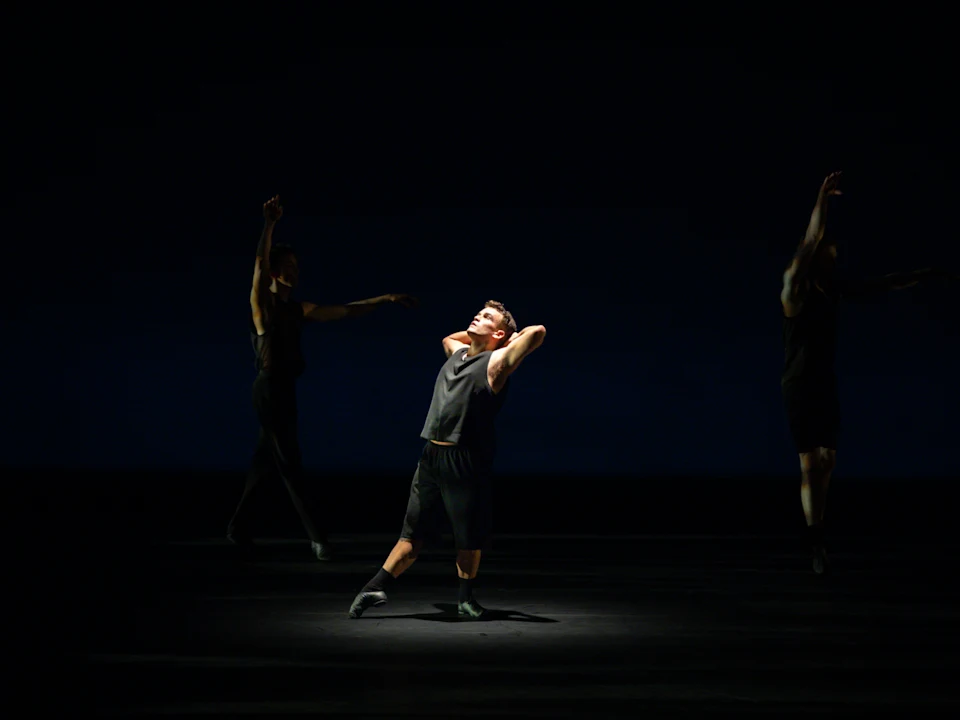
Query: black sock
(380, 581)
(815, 534)
(466, 590)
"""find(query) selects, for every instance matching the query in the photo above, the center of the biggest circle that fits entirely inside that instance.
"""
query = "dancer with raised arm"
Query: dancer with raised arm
(810, 297)
(275, 324)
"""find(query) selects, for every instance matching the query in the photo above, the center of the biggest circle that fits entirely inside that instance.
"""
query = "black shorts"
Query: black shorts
(456, 482)
(813, 414)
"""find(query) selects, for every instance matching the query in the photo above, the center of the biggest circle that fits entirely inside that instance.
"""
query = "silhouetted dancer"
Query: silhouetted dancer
(275, 325)
(454, 472)
(810, 296)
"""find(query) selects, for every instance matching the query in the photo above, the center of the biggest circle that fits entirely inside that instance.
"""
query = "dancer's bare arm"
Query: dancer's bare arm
(261, 299)
(455, 341)
(871, 287)
(507, 359)
(358, 308)
(794, 279)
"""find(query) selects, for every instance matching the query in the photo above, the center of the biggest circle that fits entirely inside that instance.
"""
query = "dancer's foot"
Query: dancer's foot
(821, 564)
(322, 550)
(243, 543)
(367, 599)
(470, 608)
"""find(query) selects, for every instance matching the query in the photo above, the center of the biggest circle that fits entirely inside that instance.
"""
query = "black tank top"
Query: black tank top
(810, 339)
(278, 350)
(464, 406)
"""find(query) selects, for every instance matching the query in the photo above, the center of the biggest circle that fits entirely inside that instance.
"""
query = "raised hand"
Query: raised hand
(272, 211)
(829, 186)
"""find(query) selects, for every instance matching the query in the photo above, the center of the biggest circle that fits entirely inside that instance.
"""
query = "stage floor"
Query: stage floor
(578, 627)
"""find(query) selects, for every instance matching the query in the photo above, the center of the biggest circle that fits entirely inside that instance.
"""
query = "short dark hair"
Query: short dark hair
(507, 324)
(278, 252)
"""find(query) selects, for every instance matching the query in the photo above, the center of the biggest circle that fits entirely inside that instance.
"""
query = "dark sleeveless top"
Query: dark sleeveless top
(810, 339)
(464, 406)
(278, 350)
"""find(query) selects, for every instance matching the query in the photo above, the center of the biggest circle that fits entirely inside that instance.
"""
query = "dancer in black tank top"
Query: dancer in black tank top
(275, 324)
(810, 298)
(453, 476)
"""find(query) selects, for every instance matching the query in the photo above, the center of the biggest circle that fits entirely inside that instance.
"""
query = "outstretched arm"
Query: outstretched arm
(795, 276)
(260, 296)
(505, 360)
(863, 289)
(358, 308)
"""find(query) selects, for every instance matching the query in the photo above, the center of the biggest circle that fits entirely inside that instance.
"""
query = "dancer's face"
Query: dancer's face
(486, 326)
(288, 273)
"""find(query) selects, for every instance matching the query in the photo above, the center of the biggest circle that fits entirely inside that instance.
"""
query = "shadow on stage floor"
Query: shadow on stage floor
(682, 598)
(577, 626)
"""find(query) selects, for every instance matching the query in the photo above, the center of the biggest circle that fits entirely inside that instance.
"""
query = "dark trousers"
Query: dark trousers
(277, 454)
(456, 481)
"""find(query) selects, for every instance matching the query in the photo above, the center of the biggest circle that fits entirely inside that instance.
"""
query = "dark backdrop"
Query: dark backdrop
(640, 203)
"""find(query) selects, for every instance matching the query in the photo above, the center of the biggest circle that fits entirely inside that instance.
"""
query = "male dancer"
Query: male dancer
(275, 326)
(454, 472)
(811, 292)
